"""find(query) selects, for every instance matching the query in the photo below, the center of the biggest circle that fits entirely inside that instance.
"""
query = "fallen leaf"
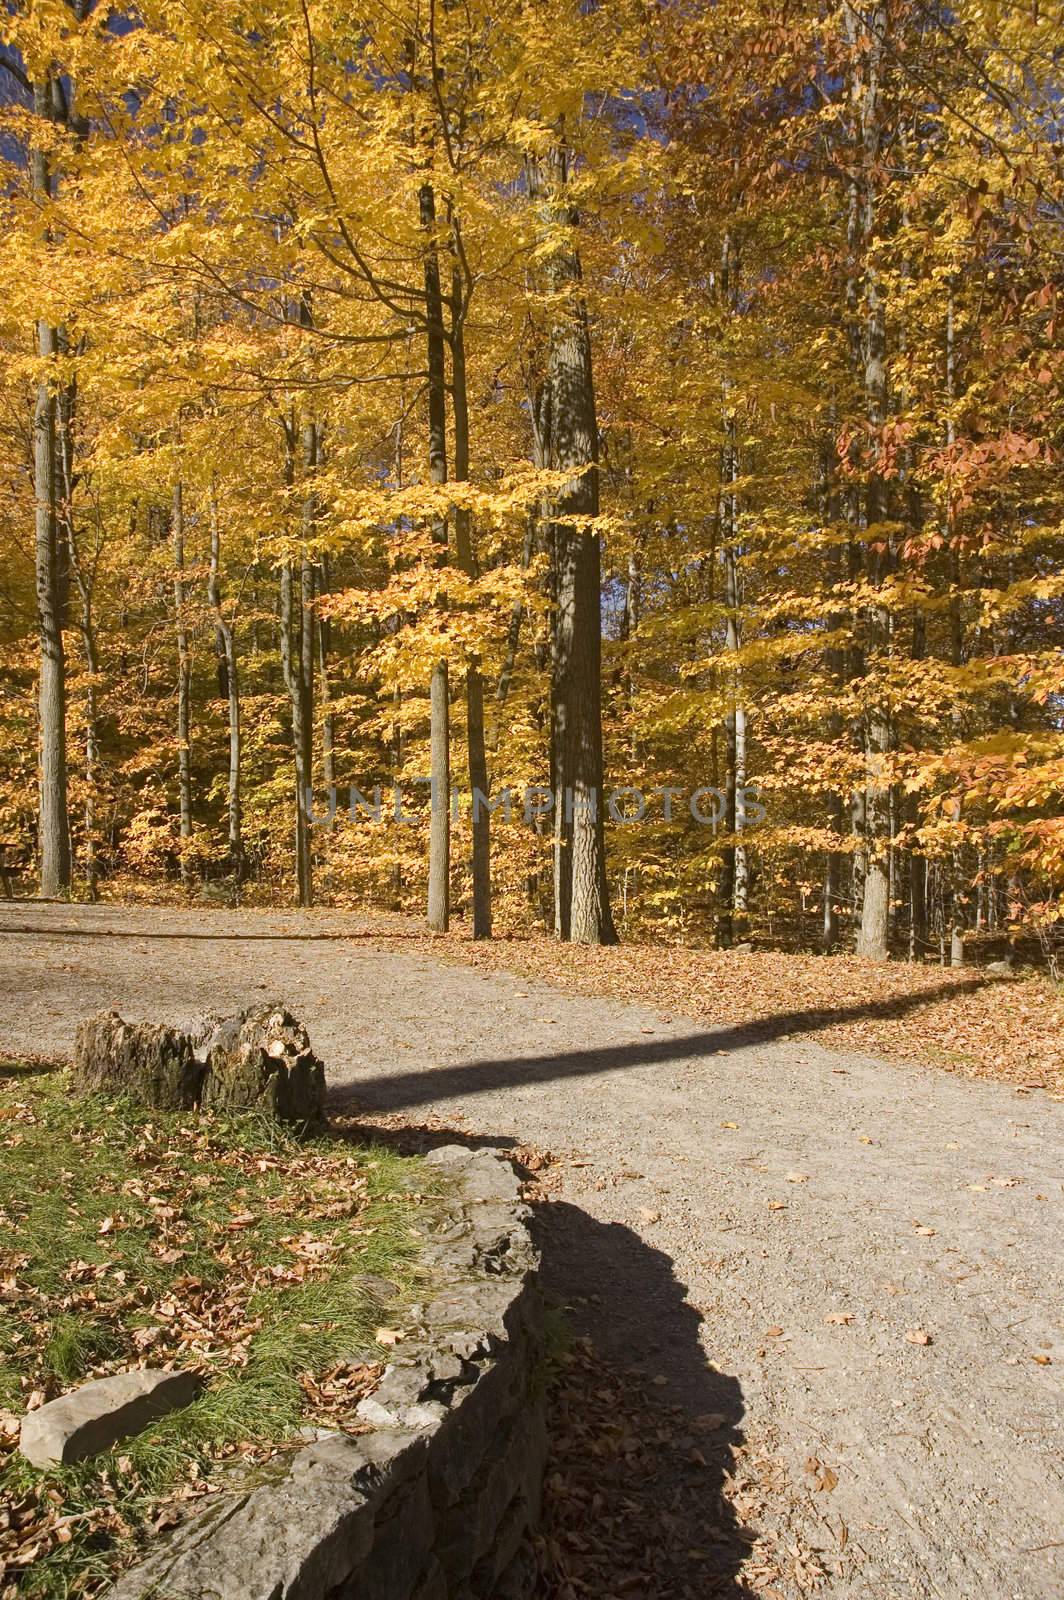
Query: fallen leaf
(777, 1205)
(388, 1336)
(839, 1319)
(918, 1336)
(797, 1177)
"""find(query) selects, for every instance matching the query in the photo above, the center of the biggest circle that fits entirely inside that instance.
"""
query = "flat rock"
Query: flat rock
(99, 1414)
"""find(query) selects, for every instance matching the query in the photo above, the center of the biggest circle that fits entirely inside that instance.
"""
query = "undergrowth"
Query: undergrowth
(264, 1261)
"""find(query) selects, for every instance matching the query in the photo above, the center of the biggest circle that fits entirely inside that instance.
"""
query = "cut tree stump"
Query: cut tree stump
(154, 1065)
(261, 1060)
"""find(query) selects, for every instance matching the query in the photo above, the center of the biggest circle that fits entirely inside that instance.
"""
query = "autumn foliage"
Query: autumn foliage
(816, 253)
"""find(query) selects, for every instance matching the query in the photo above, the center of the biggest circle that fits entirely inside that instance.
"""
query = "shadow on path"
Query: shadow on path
(397, 1091)
(637, 1471)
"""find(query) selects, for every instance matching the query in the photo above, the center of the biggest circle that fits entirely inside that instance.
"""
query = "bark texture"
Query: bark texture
(581, 898)
(439, 896)
(155, 1066)
(54, 819)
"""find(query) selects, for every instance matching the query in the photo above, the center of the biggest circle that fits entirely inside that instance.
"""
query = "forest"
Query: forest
(594, 398)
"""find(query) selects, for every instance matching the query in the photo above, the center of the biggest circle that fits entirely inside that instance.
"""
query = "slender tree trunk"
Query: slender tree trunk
(230, 687)
(184, 682)
(917, 862)
(87, 629)
(866, 35)
(291, 619)
(582, 908)
(328, 720)
(84, 577)
(54, 819)
(836, 670)
(477, 752)
(439, 897)
(734, 878)
(958, 907)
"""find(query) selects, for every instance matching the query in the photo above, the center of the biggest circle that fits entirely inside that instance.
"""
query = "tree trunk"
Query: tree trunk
(866, 37)
(184, 682)
(836, 670)
(734, 878)
(958, 907)
(582, 908)
(54, 819)
(292, 658)
(477, 752)
(328, 721)
(230, 687)
(439, 897)
(832, 887)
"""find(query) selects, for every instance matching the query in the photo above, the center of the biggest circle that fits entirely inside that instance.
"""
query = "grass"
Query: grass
(226, 1245)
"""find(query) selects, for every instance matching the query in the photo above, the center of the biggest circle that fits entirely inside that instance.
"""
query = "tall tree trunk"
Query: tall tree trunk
(328, 720)
(291, 621)
(463, 538)
(308, 645)
(836, 671)
(582, 907)
(230, 687)
(184, 681)
(958, 906)
(733, 891)
(439, 897)
(84, 577)
(917, 862)
(87, 629)
(54, 819)
(866, 35)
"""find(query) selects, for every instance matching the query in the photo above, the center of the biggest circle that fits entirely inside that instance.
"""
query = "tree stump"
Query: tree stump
(152, 1064)
(261, 1060)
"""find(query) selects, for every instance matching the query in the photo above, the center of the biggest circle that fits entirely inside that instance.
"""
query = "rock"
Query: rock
(1000, 969)
(744, 949)
(153, 1064)
(99, 1414)
(261, 1060)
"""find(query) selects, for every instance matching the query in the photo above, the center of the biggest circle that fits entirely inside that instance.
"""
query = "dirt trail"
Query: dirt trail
(781, 1185)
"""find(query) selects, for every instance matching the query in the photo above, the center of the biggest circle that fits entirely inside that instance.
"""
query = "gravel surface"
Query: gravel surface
(857, 1267)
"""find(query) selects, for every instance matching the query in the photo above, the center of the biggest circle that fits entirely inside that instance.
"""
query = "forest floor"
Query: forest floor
(822, 1284)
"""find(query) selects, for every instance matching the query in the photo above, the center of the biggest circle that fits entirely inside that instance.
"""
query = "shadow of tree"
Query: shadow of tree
(642, 1425)
(643, 1430)
(396, 1091)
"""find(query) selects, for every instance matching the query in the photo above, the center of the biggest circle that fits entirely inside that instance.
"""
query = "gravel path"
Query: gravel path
(768, 1229)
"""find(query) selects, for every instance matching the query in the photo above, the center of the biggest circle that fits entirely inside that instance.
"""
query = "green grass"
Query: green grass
(226, 1245)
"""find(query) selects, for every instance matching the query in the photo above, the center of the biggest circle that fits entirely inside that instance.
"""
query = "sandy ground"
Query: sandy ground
(767, 1228)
